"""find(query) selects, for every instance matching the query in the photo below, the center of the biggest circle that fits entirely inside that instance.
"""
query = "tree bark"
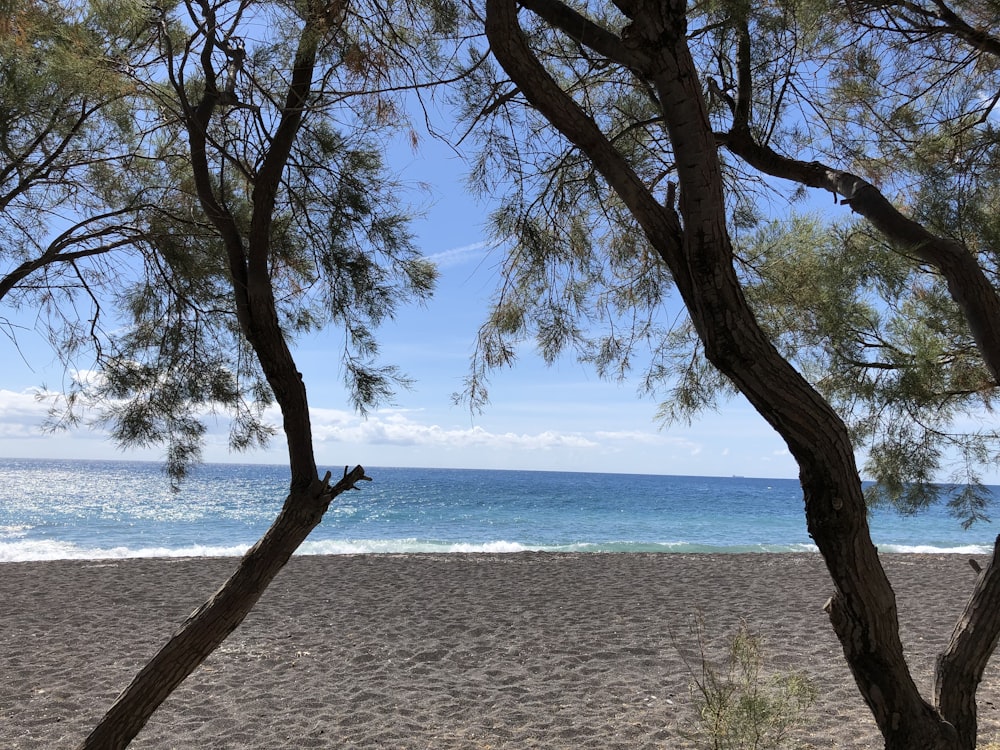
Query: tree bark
(968, 284)
(960, 666)
(696, 247)
(212, 623)
(249, 266)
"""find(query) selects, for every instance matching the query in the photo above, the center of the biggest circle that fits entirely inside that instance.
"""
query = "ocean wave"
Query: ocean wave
(926, 549)
(495, 547)
(52, 550)
(409, 546)
(38, 550)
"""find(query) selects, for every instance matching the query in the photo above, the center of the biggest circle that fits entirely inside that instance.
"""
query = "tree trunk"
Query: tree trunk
(960, 667)
(968, 284)
(249, 260)
(212, 623)
(696, 247)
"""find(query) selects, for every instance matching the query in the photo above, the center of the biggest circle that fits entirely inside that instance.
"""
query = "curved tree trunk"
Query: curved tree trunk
(249, 259)
(693, 241)
(212, 623)
(960, 667)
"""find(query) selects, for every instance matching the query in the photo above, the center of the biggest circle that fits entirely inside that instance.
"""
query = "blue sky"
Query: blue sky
(549, 418)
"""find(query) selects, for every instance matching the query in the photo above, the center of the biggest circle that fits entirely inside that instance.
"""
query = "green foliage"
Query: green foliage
(580, 276)
(165, 335)
(872, 328)
(740, 707)
(882, 340)
(63, 127)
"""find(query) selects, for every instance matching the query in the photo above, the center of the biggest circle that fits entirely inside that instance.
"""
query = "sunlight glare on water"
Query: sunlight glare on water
(80, 509)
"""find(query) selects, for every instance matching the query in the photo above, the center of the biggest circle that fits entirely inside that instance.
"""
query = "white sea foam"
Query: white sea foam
(968, 549)
(362, 546)
(789, 548)
(28, 550)
(498, 546)
(53, 550)
(378, 546)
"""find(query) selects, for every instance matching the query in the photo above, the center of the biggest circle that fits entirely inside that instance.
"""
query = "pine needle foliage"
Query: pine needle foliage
(169, 351)
(872, 327)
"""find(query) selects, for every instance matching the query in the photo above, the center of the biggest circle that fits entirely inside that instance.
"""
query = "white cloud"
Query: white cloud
(650, 438)
(415, 437)
(395, 427)
(20, 403)
(459, 255)
(88, 378)
(22, 413)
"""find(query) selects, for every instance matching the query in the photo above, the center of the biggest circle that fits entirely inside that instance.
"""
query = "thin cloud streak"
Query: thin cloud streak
(456, 256)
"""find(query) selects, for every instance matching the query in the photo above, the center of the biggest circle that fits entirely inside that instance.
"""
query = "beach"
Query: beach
(526, 650)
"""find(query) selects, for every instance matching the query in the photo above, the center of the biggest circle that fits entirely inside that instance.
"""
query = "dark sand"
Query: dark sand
(445, 651)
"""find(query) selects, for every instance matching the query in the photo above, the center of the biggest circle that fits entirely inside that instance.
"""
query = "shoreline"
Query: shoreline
(456, 650)
(319, 548)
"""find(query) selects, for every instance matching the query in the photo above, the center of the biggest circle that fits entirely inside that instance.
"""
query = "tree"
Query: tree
(65, 130)
(268, 117)
(677, 120)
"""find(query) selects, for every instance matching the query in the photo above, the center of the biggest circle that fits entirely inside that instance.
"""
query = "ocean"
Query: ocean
(52, 509)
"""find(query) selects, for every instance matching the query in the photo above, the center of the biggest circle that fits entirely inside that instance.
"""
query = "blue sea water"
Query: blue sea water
(107, 509)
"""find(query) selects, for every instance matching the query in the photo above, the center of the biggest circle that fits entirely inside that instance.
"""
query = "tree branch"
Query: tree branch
(950, 22)
(269, 175)
(744, 73)
(510, 47)
(586, 32)
(41, 171)
(969, 286)
(960, 667)
(58, 250)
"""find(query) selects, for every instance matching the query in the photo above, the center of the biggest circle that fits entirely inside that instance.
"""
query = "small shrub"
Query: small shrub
(740, 708)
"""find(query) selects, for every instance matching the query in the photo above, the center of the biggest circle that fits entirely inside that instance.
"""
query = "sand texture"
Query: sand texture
(446, 651)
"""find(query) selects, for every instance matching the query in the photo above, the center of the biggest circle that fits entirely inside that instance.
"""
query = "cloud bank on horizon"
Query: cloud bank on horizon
(393, 437)
(542, 418)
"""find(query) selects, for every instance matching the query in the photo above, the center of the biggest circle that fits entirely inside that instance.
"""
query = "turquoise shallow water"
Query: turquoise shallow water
(101, 509)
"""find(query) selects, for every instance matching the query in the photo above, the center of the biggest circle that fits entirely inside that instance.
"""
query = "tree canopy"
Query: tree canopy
(798, 96)
(66, 129)
(228, 157)
(656, 130)
(105, 137)
(287, 174)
